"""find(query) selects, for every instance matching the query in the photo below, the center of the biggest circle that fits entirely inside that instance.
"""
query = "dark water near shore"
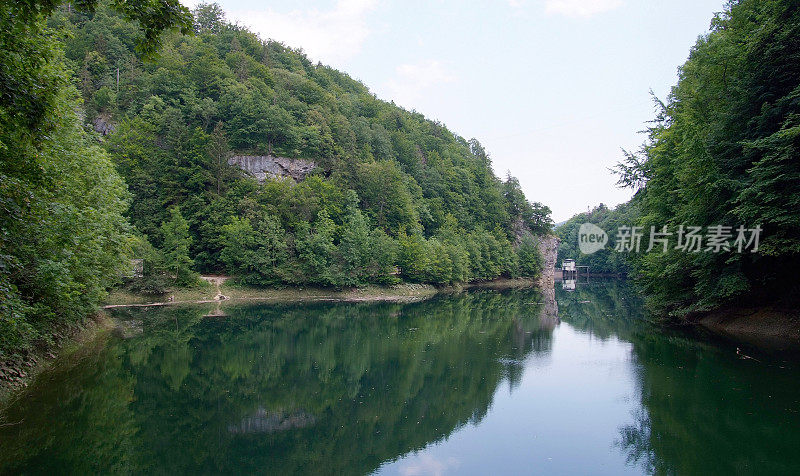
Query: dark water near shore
(482, 382)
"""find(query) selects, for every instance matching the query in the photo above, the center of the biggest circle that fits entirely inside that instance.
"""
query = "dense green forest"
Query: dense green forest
(119, 119)
(724, 150)
(391, 189)
(63, 236)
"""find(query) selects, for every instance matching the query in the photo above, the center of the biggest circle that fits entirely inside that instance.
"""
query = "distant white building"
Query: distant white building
(568, 265)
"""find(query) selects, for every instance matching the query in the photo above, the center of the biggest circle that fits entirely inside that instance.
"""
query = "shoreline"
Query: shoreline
(762, 327)
(219, 291)
(17, 374)
(236, 294)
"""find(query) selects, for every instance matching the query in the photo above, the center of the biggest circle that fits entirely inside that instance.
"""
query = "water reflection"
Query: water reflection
(320, 388)
(702, 410)
(516, 382)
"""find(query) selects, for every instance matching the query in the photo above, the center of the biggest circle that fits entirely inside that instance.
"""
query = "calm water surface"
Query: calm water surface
(514, 382)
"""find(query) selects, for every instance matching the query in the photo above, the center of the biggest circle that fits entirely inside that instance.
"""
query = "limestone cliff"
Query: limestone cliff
(263, 166)
(548, 248)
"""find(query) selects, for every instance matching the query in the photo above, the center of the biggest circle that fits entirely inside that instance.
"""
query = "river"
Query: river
(481, 382)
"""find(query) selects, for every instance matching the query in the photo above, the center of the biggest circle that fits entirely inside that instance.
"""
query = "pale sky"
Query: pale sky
(552, 88)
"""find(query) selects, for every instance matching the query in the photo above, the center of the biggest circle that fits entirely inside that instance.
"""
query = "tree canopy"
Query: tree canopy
(383, 174)
(723, 150)
(63, 237)
(118, 121)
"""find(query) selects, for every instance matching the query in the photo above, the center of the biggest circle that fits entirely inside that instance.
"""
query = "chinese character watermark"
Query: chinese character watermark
(684, 238)
(591, 238)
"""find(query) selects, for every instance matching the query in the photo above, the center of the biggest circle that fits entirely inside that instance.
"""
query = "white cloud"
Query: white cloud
(412, 79)
(516, 3)
(580, 8)
(428, 464)
(330, 36)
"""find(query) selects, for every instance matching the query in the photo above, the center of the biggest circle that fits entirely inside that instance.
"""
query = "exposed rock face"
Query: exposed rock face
(549, 312)
(548, 248)
(103, 124)
(520, 231)
(263, 166)
(263, 421)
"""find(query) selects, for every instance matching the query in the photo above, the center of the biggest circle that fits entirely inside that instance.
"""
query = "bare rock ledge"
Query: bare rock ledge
(263, 166)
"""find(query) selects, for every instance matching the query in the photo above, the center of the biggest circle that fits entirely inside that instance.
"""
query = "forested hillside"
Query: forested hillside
(390, 187)
(100, 97)
(724, 151)
(63, 236)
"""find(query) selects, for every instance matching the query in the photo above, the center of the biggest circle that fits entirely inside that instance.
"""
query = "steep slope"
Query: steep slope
(722, 155)
(423, 198)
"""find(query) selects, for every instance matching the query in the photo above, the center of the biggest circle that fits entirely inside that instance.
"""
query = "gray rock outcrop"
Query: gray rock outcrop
(103, 124)
(548, 248)
(263, 166)
(264, 421)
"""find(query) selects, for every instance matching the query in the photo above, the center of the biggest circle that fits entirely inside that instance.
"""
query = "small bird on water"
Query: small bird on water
(742, 355)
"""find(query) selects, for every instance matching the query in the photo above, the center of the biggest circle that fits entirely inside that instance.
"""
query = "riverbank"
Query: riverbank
(225, 292)
(221, 289)
(762, 327)
(16, 373)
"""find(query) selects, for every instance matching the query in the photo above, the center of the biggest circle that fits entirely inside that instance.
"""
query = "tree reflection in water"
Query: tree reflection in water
(323, 388)
(349, 388)
(702, 410)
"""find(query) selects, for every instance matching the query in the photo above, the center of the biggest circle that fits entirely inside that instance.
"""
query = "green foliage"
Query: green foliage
(723, 151)
(413, 256)
(175, 119)
(30, 79)
(62, 236)
(154, 279)
(175, 244)
(240, 248)
(530, 260)
(65, 240)
(386, 196)
(357, 250)
(317, 252)
(382, 171)
(258, 254)
(535, 216)
(447, 259)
